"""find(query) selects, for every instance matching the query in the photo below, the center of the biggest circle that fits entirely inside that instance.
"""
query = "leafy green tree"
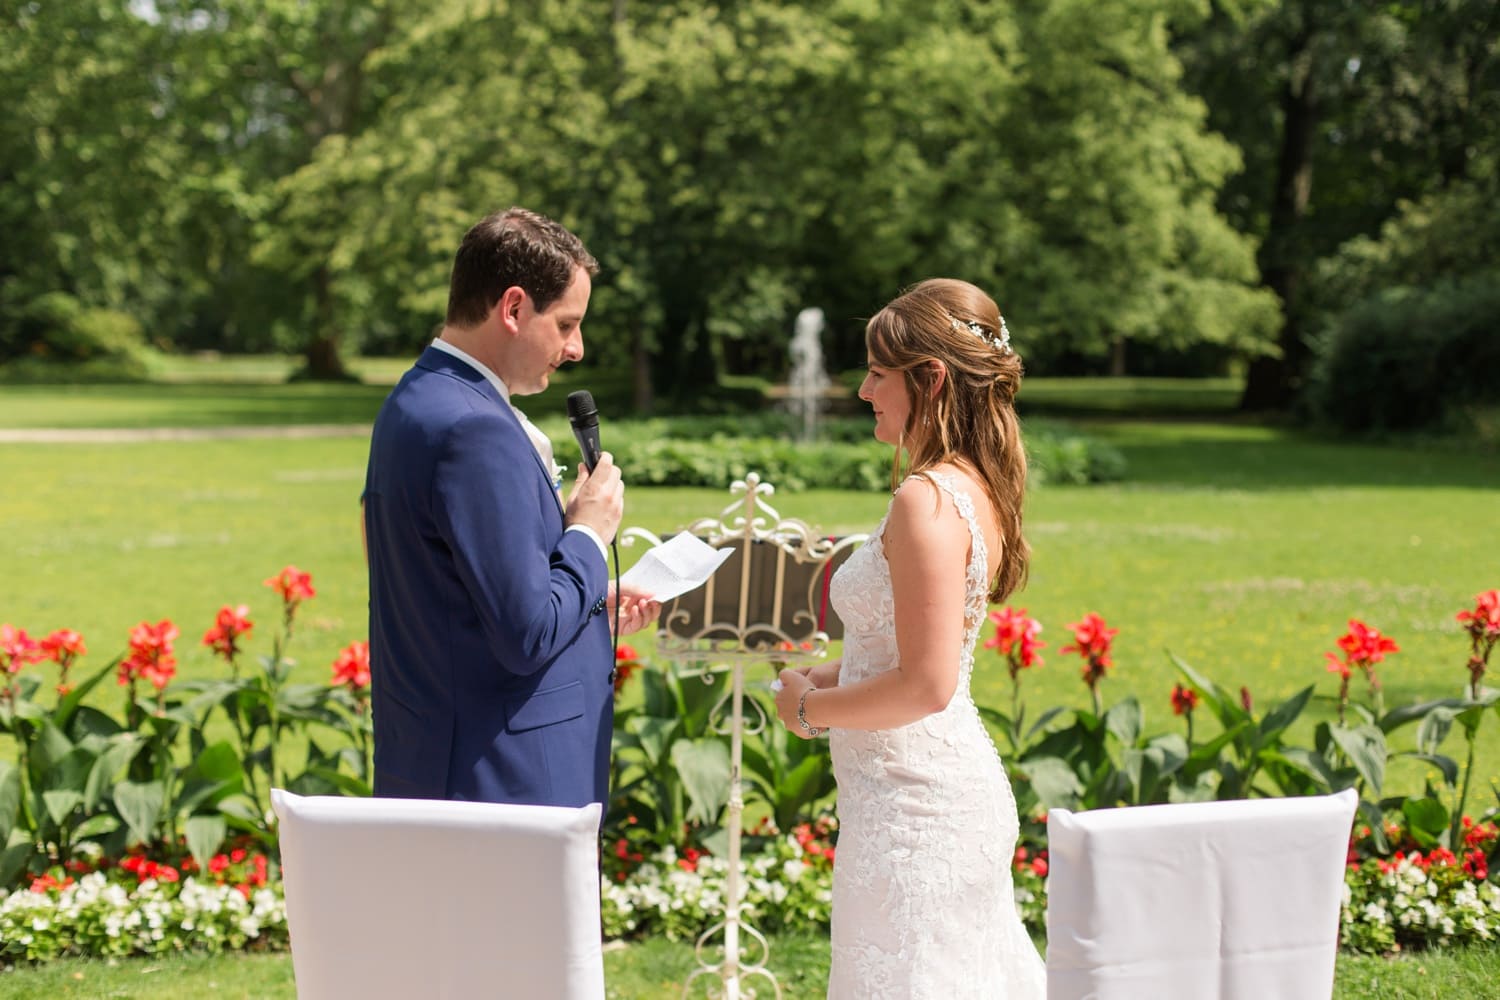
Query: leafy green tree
(1343, 110)
(89, 156)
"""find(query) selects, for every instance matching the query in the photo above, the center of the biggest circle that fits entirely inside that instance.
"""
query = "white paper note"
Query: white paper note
(682, 563)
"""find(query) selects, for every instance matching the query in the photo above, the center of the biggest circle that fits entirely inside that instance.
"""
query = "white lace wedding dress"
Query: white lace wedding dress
(923, 904)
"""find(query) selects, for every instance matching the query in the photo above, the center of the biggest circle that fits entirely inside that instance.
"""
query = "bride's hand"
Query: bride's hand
(793, 684)
(824, 675)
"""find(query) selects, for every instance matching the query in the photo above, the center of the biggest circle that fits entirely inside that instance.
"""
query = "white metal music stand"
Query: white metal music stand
(765, 623)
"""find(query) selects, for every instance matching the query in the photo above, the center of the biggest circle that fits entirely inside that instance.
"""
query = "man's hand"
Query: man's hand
(637, 609)
(598, 499)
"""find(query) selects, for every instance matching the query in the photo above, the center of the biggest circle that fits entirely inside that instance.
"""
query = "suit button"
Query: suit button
(598, 607)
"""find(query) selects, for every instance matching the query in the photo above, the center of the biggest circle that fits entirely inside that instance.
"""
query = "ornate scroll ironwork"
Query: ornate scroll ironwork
(746, 617)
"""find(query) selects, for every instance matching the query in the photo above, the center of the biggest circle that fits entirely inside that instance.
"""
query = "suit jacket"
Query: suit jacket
(490, 659)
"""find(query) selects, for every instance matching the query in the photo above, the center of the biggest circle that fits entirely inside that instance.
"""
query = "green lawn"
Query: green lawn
(655, 970)
(1242, 548)
(213, 391)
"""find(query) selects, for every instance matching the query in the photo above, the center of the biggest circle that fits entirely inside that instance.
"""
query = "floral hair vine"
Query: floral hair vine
(999, 341)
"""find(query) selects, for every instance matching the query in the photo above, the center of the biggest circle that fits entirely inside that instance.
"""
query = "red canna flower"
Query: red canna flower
(294, 586)
(1485, 617)
(1364, 645)
(62, 647)
(151, 656)
(352, 668)
(18, 649)
(1363, 648)
(1016, 639)
(229, 625)
(626, 664)
(1092, 640)
(1483, 626)
(1246, 702)
(1184, 699)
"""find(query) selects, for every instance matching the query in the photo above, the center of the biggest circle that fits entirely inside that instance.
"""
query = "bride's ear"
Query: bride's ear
(939, 376)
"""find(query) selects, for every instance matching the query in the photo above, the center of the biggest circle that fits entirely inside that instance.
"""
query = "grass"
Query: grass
(650, 970)
(209, 390)
(1130, 396)
(1241, 548)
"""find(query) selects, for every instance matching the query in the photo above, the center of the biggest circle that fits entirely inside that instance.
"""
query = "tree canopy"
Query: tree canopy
(295, 174)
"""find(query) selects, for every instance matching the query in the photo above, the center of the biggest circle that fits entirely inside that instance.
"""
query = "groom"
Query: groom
(491, 649)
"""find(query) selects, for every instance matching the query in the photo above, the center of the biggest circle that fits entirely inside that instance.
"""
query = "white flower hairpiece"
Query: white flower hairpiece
(999, 341)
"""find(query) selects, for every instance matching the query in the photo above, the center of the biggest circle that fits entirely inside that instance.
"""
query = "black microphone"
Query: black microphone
(584, 417)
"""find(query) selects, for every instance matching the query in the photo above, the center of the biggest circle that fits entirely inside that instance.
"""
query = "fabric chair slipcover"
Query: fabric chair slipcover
(412, 898)
(1231, 900)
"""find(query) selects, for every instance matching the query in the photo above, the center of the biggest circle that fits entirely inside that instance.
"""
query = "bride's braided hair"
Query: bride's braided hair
(972, 419)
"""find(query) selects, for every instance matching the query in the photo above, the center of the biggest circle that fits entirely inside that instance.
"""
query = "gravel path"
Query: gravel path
(102, 435)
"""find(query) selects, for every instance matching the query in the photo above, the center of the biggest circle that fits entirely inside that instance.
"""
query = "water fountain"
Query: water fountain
(808, 381)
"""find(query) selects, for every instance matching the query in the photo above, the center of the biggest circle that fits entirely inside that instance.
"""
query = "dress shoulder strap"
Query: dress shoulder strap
(979, 557)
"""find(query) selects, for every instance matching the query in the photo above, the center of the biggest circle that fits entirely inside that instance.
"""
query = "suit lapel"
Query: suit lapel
(441, 362)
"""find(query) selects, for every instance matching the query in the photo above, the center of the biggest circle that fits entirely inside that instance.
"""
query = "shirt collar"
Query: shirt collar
(480, 367)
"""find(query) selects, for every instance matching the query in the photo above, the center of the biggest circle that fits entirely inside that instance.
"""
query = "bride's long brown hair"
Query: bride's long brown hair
(972, 419)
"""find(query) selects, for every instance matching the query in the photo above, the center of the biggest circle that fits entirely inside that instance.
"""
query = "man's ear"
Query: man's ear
(939, 376)
(508, 309)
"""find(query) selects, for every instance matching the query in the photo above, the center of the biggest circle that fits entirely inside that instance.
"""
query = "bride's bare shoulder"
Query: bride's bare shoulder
(921, 505)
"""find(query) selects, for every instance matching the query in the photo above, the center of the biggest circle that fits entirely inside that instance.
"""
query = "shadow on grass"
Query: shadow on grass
(1247, 456)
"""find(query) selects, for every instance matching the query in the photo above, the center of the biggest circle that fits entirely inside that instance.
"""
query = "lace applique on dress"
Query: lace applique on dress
(923, 904)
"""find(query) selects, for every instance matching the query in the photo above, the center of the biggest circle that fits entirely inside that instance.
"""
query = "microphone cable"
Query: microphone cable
(614, 549)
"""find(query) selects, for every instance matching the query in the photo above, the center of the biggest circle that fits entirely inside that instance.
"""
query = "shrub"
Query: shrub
(1410, 359)
(713, 451)
(67, 341)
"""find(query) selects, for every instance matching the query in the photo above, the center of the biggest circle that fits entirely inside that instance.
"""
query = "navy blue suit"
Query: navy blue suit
(490, 657)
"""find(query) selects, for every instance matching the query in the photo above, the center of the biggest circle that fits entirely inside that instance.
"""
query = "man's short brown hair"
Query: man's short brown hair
(514, 247)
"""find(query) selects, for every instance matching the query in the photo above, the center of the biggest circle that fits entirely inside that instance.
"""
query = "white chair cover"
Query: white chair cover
(1233, 900)
(411, 898)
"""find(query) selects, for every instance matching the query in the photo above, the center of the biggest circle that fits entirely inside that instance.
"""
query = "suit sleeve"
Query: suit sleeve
(533, 585)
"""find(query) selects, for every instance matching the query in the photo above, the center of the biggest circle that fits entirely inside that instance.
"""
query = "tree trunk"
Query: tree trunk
(1117, 357)
(322, 353)
(1272, 382)
(642, 396)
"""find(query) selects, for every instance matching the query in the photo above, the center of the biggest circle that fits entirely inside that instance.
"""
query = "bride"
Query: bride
(923, 905)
